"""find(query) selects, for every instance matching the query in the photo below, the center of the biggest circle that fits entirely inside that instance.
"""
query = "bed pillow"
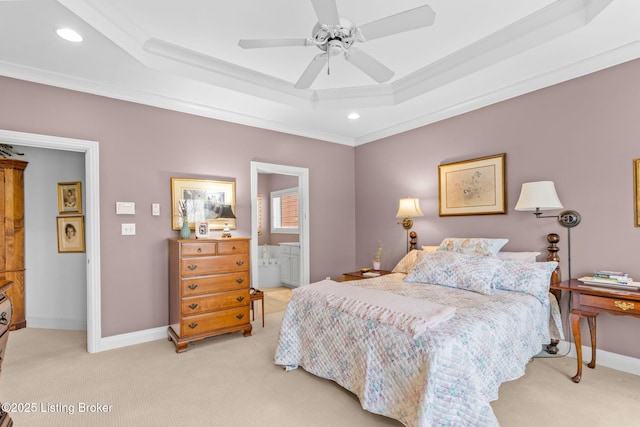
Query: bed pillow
(529, 277)
(405, 265)
(430, 248)
(519, 256)
(474, 246)
(455, 270)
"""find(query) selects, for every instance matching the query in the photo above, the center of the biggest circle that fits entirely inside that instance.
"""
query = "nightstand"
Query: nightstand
(358, 275)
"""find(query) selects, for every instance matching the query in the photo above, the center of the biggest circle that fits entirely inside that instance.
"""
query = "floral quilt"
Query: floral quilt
(446, 376)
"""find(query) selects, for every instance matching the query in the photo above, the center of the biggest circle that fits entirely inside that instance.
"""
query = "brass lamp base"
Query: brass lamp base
(406, 223)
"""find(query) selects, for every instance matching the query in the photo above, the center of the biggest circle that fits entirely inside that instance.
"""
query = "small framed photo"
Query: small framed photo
(202, 230)
(69, 198)
(70, 234)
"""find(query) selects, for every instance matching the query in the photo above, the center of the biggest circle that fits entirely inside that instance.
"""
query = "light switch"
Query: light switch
(155, 209)
(128, 229)
(125, 208)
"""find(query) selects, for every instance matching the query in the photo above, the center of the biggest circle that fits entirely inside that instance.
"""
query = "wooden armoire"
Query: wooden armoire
(12, 235)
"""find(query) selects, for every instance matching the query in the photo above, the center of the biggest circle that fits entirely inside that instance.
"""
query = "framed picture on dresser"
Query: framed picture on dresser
(205, 200)
(636, 192)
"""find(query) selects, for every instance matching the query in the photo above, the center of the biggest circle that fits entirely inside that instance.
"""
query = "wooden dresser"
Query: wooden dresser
(209, 281)
(5, 323)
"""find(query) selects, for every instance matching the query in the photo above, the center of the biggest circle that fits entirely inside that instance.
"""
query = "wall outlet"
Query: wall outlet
(155, 209)
(128, 229)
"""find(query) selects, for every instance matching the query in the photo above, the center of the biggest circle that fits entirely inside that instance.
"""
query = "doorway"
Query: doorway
(92, 217)
(302, 174)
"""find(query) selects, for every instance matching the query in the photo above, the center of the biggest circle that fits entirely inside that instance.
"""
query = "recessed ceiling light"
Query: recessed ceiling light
(354, 116)
(69, 34)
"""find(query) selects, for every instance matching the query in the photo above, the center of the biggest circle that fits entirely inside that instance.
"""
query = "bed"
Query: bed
(438, 368)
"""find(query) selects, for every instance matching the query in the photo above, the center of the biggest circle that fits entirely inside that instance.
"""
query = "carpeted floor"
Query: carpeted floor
(276, 299)
(230, 380)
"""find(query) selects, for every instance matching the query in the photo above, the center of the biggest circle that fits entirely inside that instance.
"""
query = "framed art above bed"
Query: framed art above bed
(472, 187)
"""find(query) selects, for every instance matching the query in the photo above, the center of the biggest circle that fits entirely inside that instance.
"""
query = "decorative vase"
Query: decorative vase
(185, 231)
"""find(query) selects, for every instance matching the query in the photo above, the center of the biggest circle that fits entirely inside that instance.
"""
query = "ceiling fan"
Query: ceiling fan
(335, 35)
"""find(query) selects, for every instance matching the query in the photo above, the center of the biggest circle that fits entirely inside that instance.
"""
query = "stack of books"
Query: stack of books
(613, 279)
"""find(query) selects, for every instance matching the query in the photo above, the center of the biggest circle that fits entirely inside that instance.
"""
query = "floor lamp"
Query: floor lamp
(541, 196)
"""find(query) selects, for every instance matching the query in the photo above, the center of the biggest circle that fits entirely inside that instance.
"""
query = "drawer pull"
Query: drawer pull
(192, 267)
(193, 286)
(239, 316)
(3, 318)
(233, 248)
(240, 281)
(199, 250)
(239, 263)
(193, 306)
(193, 325)
(240, 299)
(624, 305)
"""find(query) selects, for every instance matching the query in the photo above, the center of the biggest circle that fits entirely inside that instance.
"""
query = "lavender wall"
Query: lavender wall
(582, 134)
(141, 148)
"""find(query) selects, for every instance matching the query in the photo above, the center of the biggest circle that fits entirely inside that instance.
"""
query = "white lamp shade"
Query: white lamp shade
(538, 195)
(408, 208)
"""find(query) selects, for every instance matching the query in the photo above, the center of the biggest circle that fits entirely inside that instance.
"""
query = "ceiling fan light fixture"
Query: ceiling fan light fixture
(335, 35)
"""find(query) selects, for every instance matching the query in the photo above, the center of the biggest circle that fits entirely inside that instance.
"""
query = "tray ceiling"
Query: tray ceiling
(185, 56)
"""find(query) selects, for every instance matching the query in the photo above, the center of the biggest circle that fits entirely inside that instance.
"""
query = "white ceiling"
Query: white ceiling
(184, 55)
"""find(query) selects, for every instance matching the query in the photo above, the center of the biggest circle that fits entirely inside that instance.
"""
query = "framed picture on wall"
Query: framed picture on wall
(204, 201)
(70, 233)
(636, 191)
(473, 187)
(69, 198)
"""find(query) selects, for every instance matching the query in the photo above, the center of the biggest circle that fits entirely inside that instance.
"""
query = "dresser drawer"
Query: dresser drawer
(199, 249)
(612, 304)
(203, 304)
(5, 315)
(215, 283)
(231, 247)
(204, 323)
(218, 264)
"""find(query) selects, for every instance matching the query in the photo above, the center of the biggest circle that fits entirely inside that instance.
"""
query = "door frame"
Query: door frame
(92, 217)
(303, 206)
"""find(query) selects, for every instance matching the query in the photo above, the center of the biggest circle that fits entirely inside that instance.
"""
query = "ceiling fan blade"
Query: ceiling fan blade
(259, 43)
(411, 19)
(327, 11)
(370, 66)
(311, 73)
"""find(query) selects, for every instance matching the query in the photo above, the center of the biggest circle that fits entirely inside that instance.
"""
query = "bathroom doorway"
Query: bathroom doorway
(300, 178)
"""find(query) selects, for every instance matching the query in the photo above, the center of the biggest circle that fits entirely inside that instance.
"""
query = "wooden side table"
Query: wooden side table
(257, 295)
(359, 275)
(589, 301)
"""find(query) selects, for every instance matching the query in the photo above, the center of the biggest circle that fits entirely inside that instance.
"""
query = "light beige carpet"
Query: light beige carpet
(276, 299)
(231, 381)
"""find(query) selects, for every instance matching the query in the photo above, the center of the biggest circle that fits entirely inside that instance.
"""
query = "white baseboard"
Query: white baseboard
(49, 323)
(615, 361)
(132, 338)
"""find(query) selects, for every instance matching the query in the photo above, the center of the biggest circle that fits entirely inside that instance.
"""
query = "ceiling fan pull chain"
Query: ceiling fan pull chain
(328, 64)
